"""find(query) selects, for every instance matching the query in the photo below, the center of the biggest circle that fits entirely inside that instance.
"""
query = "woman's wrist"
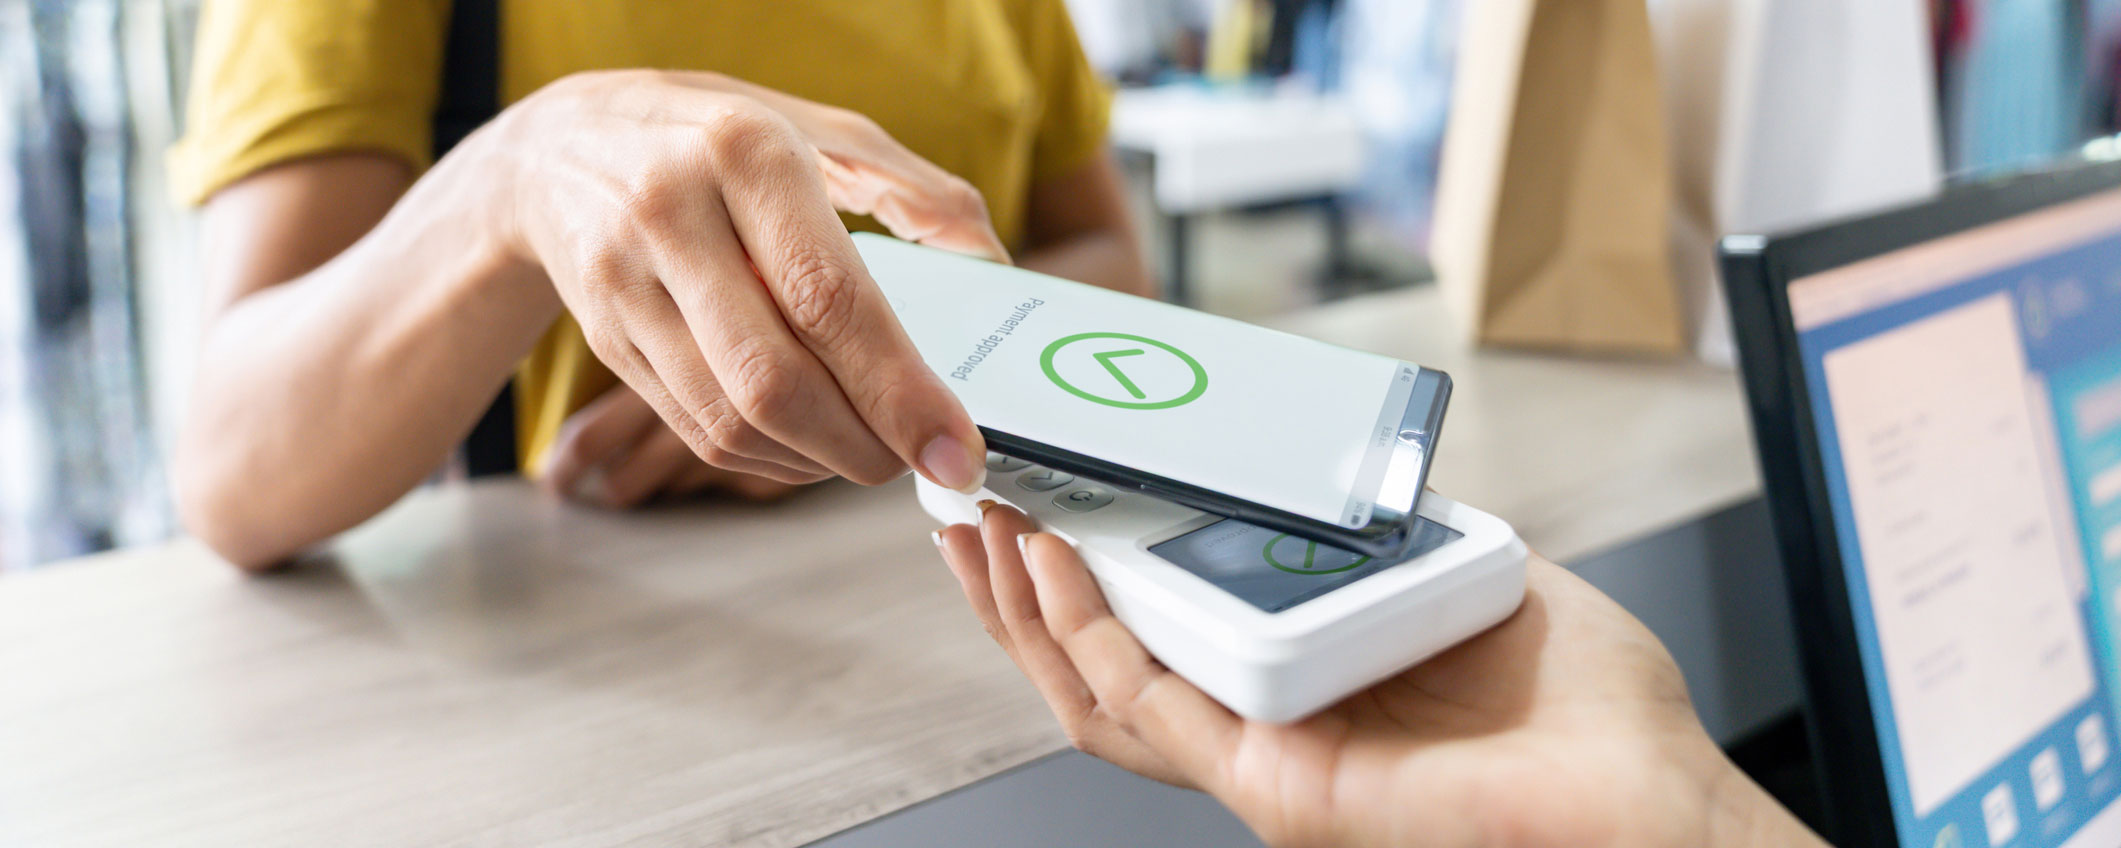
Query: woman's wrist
(483, 180)
(481, 196)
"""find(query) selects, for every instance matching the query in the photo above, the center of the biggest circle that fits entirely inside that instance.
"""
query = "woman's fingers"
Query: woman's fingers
(1179, 721)
(868, 172)
(707, 417)
(910, 196)
(750, 487)
(699, 478)
(654, 464)
(688, 228)
(776, 391)
(617, 452)
(610, 424)
(658, 463)
(639, 372)
(779, 210)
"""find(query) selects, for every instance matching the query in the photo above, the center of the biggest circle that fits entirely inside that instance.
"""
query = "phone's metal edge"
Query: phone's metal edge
(1391, 541)
(1432, 429)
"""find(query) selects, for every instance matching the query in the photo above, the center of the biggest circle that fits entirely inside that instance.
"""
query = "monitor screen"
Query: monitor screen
(1966, 393)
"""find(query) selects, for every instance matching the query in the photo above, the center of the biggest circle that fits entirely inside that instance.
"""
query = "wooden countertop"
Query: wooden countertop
(482, 666)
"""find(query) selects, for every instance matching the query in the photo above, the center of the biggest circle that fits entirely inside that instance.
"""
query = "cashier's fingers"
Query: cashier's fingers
(1015, 602)
(1023, 629)
(967, 558)
(1089, 728)
(1195, 734)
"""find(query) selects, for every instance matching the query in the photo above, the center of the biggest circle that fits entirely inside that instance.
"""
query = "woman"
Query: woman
(653, 254)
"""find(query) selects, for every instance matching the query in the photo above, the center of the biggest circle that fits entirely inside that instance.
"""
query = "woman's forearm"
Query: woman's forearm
(1080, 229)
(320, 400)
(1098, 257)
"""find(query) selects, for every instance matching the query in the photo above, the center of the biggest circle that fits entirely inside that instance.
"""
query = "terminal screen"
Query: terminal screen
(1275, 571)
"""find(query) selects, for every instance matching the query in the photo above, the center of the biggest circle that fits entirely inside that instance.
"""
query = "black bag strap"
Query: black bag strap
(471, 96)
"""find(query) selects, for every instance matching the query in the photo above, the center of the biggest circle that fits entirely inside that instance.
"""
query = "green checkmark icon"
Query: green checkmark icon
(1310, 565)
(1157, 374)
(1106, 358)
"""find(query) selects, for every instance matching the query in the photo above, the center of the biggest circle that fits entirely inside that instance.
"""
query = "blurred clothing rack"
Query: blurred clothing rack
(82, 470)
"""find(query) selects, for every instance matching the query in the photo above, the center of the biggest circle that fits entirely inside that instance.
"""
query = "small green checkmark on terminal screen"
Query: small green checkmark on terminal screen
(1132, 372)
(1284, 558)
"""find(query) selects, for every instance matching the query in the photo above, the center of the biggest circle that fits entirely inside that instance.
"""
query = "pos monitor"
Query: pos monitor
(1936, 394)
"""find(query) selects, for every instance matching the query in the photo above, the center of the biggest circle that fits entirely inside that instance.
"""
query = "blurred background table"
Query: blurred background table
(481, 665)
(1216, 148)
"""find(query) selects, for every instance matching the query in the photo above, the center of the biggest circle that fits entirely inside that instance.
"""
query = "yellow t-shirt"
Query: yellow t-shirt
(995, 91)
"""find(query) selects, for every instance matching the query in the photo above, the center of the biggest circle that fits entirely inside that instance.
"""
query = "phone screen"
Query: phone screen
(1281, 421)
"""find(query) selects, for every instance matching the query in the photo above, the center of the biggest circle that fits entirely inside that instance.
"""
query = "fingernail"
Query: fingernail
(937, 538)
(591, 488)
(1023, 545)
(949, 462)
(985, 504)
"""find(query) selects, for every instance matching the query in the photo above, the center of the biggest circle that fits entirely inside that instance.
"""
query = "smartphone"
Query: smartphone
(1292, 434)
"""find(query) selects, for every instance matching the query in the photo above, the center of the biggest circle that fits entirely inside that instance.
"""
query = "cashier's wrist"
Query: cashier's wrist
(1738, 813)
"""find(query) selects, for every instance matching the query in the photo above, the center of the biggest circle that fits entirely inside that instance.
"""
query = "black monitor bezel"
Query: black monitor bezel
(1757, 272)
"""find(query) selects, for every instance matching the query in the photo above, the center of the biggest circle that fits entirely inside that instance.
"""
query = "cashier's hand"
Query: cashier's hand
(687, 221)
(1567, 725)
(617, 453)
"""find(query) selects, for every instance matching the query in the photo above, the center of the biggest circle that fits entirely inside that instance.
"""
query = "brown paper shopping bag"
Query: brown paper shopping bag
(1555, 187)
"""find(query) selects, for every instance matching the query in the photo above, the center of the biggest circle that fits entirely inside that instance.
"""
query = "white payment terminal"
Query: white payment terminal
(1273, 626)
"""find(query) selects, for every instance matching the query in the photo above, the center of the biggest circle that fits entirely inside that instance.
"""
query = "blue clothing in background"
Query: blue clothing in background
(1397, 73)
(2018, 93)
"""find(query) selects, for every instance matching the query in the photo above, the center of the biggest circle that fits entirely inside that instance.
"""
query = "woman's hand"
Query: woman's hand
(1567, 725)
(617, 453)
(687, 221)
